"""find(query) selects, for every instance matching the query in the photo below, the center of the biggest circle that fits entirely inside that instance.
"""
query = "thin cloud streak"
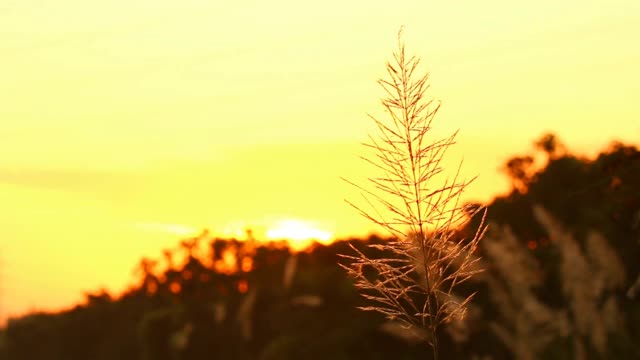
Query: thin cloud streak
(70, 180)
(174, 229)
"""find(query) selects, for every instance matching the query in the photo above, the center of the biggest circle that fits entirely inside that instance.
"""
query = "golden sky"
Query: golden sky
(126, 124)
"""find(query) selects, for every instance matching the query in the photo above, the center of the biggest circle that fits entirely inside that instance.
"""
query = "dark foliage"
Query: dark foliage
(212, 308)
(600, 194)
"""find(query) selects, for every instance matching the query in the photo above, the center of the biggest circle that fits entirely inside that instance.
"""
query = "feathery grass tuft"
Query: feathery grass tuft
(414, 278)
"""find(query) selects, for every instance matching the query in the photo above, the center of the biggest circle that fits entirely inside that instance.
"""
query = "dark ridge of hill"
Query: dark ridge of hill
(242, 301)
(228, 299)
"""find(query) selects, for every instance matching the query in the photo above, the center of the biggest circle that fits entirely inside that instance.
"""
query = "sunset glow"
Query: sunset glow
(127, 125)
(298, 233)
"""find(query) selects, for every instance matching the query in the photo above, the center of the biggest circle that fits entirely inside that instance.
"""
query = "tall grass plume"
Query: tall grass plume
(413, 280)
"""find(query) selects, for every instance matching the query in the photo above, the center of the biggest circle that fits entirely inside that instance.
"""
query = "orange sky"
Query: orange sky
(127, 123)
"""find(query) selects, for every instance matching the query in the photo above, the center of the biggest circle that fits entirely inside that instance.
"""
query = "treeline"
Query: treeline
(221, 299)
(562, 256)
(560, 260)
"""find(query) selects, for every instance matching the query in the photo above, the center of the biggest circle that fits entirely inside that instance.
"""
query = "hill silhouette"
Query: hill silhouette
(560, 259)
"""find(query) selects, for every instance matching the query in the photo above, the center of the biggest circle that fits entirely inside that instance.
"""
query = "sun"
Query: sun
(300, 234)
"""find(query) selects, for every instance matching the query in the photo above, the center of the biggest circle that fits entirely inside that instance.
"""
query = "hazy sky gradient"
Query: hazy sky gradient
(121, 117)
